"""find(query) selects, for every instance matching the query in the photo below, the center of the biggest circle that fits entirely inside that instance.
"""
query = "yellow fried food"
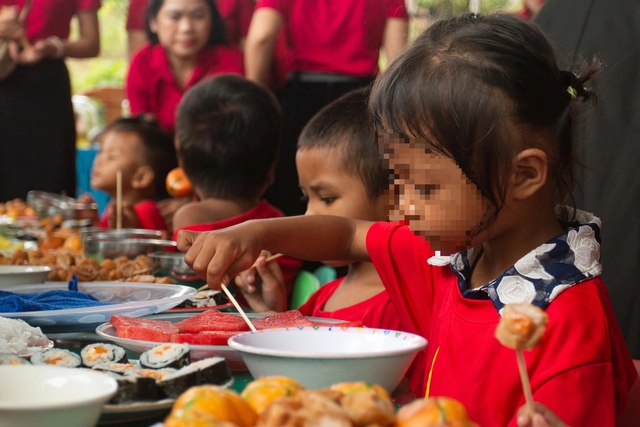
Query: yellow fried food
(522, 326)
(359, 387)
(434, 412)
(208, 401)
(305, 409)
(265, 390)
(190, 419)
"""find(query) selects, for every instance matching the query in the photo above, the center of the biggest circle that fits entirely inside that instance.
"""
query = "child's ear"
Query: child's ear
(143, 178)
(529, 173)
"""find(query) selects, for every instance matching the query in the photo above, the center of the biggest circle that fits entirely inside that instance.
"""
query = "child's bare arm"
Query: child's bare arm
(220, 255)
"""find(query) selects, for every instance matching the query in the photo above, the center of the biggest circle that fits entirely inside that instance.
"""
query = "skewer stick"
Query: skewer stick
(119, 200)
(526, 384)
(271, 258)
(235, 303)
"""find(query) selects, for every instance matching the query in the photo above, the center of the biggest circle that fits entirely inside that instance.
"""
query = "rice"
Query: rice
(16, 336)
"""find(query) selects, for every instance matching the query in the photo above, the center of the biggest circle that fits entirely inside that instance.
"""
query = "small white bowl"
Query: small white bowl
(318, 357)
(22, 275)
(52, 396)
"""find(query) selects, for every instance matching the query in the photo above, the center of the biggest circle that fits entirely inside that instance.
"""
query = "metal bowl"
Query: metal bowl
(172, 264)
(50, 204)
(124, 233)
(101, 248)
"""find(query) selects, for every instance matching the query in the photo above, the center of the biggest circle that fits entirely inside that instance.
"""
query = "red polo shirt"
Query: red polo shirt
(335, 36)
(151, 87)
(51, 17)
(235, 13)
(582, 370)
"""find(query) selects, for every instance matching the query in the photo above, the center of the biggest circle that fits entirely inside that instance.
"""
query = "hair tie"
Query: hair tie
(572, 92)
(569, 80)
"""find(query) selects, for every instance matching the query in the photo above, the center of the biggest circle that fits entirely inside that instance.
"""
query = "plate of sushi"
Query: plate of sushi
(207, 333)
(130, 299)
(147, 387)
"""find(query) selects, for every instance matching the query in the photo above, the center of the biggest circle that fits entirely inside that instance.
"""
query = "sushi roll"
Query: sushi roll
(94, 354)
(12, 359)
(133, 389)
(117, 368)
(166, 356)
(213, 370)
(56, 357)
(173, 385)
(156, 374)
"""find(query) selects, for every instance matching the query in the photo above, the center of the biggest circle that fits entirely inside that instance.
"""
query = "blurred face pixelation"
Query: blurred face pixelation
(432, 194)
(183, 27)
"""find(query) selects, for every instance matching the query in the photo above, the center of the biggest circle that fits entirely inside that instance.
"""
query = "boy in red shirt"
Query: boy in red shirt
(228, 132)
(476, 125)
(144, 155)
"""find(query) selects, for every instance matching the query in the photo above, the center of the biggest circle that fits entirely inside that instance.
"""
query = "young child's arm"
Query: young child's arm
(270, 295)
(542, 417)
(221, 255)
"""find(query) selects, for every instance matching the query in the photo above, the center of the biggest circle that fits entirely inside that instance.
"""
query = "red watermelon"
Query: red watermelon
(212, 320)
(352, 324)
(288, 319)
(143, 329)
(204, 338)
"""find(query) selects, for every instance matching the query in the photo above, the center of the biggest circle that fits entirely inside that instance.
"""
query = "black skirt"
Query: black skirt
(37, 131)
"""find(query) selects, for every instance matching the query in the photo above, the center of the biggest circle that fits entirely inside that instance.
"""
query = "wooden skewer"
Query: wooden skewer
(119, 200)
(271, 258)
(526, 384)
(235, 303)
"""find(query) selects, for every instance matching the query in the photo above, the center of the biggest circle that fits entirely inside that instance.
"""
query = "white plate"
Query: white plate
(11, 275)
(117, 414)
(198, 352)
(130, 299)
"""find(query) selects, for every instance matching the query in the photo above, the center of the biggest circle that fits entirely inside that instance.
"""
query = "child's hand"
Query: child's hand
(264, 291)
(129, 216)
(86, 198)
(218, 256)
(543, 417)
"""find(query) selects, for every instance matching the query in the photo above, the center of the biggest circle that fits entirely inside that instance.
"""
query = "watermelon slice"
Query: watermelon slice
(352, 324)
(288, 319)
(143, 329)
(204, 338)
(212, 320)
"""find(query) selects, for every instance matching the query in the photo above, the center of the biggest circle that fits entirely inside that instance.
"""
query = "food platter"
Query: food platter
(198, 352)
(129, 299)
(127, 412)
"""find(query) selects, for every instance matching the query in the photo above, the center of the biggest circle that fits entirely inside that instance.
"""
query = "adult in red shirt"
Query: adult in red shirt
(235, 13)
(187, 42)
(333, 47)
(37, 127)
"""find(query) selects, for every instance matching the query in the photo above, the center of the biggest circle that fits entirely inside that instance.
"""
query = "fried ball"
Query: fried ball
(368, 407)
(434, 412)
(522, 326)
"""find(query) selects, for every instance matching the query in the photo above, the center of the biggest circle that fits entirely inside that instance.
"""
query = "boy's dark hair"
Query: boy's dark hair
(347, 124)
(478, 89)
(218, 28)
(229, 131)
(159, 151)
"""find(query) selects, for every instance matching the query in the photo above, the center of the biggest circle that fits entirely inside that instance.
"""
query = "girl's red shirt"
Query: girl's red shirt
(582, 370)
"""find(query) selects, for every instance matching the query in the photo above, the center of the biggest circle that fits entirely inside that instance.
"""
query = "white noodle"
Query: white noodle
(16, 336)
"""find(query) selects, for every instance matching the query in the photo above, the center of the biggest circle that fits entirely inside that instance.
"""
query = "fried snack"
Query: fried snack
(261, 392)
(208, 401)
(522, 326)
(367, 407)
(19, 257)
(434, 412)
(87, 270)
(189, 419)
(305, 409)
(108, 264)
(73, 242)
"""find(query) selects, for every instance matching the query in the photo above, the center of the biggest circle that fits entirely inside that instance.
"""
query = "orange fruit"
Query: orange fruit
(208, 401)
(261, 392)
(435, 411)
(73, 242)
(178, 184)
(358, 387)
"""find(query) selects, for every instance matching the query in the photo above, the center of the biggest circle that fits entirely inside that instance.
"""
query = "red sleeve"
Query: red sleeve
(83, 5)
(245, 12)
(149, 216)
(400, 257)
(396, 9)
(135, 15)
(137, 89)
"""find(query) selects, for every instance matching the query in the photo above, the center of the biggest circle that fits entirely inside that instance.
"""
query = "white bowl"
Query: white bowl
(22, 274)
(52, 396)
(318, 357)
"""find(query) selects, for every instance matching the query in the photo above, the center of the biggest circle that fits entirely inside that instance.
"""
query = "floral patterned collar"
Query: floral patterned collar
(541, 275)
